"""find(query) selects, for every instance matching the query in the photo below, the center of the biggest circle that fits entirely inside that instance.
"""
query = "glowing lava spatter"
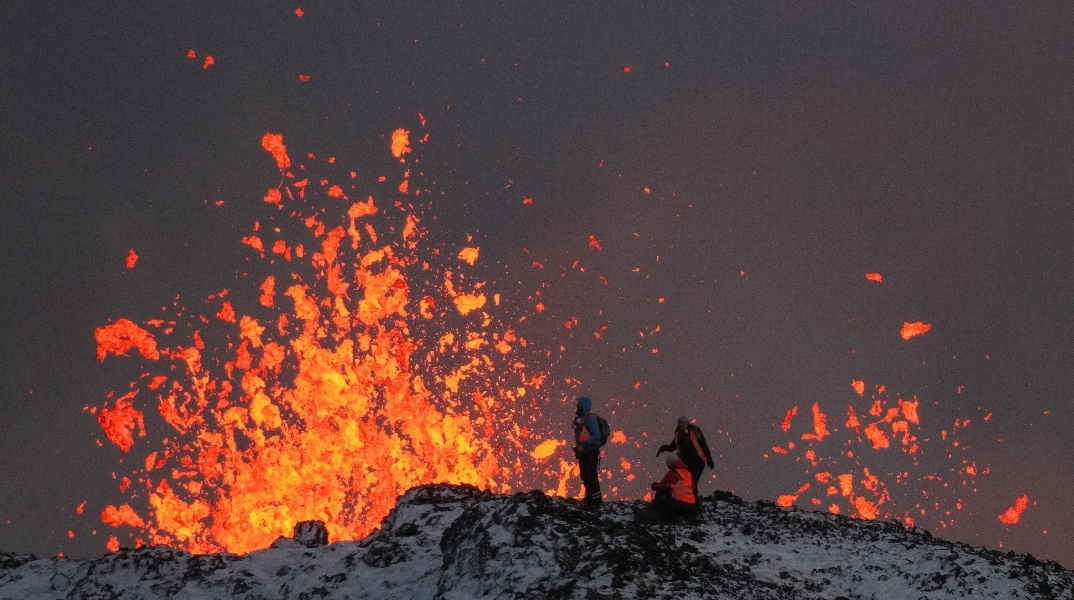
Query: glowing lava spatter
(354, 369)
(846, 467)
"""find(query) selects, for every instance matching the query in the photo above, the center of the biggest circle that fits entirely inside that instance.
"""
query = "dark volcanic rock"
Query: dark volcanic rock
(457, 542)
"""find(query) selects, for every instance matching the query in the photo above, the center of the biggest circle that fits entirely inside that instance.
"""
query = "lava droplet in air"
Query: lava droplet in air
(916, 328)
(350, 368)
(1012, 515)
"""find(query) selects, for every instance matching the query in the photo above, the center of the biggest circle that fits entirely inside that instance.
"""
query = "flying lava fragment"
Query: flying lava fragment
(916, 328)
(334, 381)
(132, 259)
(1013, 514)
(874, 277)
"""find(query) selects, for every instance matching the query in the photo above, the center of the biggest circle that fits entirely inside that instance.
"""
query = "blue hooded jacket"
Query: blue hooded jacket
(586, 419)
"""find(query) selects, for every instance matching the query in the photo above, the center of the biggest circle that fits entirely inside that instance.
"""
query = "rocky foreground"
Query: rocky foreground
(460, 543)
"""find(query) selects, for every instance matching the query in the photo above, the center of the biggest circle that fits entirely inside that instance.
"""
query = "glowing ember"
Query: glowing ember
(400, 143)
(874, 277)
(859, 387)
(866, 491)
(910, 330)
(1012, 515)
(469, 255)
(132, 259)
(329, 390)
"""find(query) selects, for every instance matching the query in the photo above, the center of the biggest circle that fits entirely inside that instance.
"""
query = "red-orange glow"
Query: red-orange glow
(788, 417)
(330, 398)
(400, 143)
(627, 68)
(874, 277)
(545, 449)
(1012, 515)
(299, 12)
(469, 255)
(209, 61)
(81, 507)
(132, 259)
(910, 330)
(909, 410)
(227, 312)
(852, 420)
(113, 544)
(846, 484)
(876, 437)
(618, 437)
(594, 243)
(191, 54)
(820, 425)
(124, 515)
(273, 142)
(787, 500)
(123, 335)
(866, 509)
(859, 386)
(303, 77)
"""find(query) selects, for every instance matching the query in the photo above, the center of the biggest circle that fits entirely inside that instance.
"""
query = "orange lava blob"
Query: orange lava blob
(121, 422)
(546, 448)
(119, 337)
(273, 143)
(209, 61)
(859, 386)
(132, 259)
(594, 243)
(874, 277)
(916, 328)
(787, 418)
(1012, 515)
(820, 425)
(124, 515)
(469, 255)
(344, 383)
(400, 143)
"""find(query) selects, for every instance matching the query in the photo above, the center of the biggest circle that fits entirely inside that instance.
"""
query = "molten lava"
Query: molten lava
(333, 387)
(1012, 515)
(842, 460)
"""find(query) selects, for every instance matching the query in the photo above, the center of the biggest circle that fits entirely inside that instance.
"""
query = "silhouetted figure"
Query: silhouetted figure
(690, 445)
(587, 443)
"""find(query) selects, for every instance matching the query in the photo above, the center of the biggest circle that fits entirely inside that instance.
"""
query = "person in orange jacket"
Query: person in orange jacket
(675, 495)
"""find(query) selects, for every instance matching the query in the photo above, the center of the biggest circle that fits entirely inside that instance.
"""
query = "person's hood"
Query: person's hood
(585, 404)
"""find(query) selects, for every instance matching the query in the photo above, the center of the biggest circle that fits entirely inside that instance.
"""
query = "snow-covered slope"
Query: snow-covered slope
(459, 543)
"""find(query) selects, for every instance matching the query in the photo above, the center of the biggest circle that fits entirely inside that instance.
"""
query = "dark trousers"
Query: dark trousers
(665, 509)
(589, 465)
(695, 472)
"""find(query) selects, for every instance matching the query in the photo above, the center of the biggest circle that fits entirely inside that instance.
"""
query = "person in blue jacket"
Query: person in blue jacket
(587, 450)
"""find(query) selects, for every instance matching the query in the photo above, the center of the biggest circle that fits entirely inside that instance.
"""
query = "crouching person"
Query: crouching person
(675, 497)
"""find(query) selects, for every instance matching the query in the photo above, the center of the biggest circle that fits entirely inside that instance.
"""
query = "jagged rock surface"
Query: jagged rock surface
(459, 543)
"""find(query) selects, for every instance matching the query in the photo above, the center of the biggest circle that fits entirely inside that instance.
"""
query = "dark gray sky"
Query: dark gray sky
(789, 148)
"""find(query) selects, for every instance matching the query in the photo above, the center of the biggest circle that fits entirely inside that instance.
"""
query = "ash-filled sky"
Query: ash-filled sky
(726, 173)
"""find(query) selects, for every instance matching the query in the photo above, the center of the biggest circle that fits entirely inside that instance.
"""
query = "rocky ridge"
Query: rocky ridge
(456, 542)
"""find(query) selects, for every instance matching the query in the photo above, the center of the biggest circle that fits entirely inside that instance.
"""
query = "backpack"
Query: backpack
(605, 429)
